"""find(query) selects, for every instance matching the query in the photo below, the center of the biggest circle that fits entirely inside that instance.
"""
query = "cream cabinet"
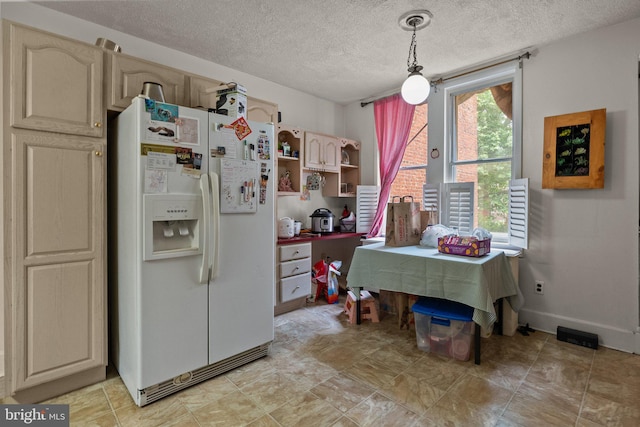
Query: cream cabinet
(57, 271)
(259, 110)
(54, 187)
(293, 284)
(202, 94)
(321, 152)
(126, 75)
(55, 83)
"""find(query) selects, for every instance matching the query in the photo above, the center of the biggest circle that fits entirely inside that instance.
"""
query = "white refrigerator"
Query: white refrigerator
(192, 227)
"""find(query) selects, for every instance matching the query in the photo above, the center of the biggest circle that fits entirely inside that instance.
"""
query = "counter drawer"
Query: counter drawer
(297, 266)
(295, 287)
(289, 252)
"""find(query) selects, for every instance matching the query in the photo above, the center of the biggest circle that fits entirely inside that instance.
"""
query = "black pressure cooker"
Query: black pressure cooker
(322, 221)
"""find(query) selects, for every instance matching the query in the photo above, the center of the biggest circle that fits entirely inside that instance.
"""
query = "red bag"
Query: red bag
(319, 274)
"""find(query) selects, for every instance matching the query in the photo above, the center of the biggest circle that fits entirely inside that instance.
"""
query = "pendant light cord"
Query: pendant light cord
(412, 47)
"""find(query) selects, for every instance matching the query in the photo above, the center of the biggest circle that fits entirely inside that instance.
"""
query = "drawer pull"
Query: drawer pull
(296, 269)
(295, 289)
(296, 252)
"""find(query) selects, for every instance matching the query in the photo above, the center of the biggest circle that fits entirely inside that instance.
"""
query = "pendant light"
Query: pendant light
(416, 87)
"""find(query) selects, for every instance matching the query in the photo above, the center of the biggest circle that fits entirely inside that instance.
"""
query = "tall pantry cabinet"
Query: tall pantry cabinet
(54, 185)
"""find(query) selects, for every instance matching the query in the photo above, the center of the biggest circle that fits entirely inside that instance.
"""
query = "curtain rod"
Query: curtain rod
(525, 55)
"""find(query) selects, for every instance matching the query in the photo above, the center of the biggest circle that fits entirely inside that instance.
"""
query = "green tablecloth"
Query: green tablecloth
(418, 270)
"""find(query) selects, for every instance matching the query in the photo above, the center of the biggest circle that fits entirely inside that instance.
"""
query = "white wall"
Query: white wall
(583, 243)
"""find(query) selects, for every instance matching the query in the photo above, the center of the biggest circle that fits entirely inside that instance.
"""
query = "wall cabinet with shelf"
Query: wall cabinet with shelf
(345, 182)
(293, 137)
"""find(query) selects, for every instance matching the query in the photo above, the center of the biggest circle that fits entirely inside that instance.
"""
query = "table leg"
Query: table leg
(402, 303)
(358, 305)
(476, 345)
(500, 316)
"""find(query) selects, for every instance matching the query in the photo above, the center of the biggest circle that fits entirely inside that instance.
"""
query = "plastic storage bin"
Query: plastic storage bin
(444, 327)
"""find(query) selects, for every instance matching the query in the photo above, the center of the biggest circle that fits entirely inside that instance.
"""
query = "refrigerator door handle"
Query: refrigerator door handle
(206, 220)
(215, 223)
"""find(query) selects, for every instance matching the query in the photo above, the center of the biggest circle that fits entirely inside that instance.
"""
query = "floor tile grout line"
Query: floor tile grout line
(113, 410)
(546, 339)
(586, 388)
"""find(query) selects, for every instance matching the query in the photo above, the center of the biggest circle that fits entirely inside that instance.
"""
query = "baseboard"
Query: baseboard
(289, 306)
(610, 337)
(64, 385)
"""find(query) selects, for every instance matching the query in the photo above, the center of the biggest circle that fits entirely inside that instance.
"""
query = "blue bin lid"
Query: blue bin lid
(447, 309)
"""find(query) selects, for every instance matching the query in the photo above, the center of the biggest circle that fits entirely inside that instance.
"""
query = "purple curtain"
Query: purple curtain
(393, 119)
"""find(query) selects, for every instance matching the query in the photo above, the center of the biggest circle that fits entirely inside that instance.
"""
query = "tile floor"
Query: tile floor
(322, 371)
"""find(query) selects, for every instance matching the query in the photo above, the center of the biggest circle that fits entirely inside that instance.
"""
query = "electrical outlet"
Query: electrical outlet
(539, 287)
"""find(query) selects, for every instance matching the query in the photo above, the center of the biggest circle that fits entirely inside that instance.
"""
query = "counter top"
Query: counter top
(311, 237)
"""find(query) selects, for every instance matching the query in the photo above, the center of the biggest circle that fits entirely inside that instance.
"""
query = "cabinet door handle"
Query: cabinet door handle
(99, 153)
(97, 124)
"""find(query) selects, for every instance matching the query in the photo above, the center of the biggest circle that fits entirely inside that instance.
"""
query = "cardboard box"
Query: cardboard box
(473, 247)
(232, 102)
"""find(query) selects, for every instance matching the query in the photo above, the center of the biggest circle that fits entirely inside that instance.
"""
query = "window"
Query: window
(483, 117)
(482, 152)
(474, 156)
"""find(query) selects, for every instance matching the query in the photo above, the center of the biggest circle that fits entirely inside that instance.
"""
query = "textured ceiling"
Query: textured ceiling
(348, 50)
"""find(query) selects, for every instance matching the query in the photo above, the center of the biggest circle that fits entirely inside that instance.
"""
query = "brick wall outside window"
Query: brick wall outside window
(409, 182)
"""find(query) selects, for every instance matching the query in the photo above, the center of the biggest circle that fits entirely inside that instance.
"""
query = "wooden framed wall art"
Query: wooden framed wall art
(574, 150)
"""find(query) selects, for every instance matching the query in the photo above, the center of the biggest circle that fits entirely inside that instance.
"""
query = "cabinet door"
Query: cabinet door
(200, 92)
(261, 111)
(57, 269)
(56, 83)
(126, 76)
(322, 152)
(313, 147)
(331, 154)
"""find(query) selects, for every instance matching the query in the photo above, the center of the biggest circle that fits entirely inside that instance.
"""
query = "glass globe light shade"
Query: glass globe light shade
(415, 89)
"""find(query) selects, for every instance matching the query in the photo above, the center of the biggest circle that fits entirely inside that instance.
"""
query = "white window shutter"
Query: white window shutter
(457, 206)
(366, 206)
(431, 201)
(519, 212)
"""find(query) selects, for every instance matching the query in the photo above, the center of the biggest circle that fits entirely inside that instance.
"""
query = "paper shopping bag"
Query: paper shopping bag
(403, 222)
